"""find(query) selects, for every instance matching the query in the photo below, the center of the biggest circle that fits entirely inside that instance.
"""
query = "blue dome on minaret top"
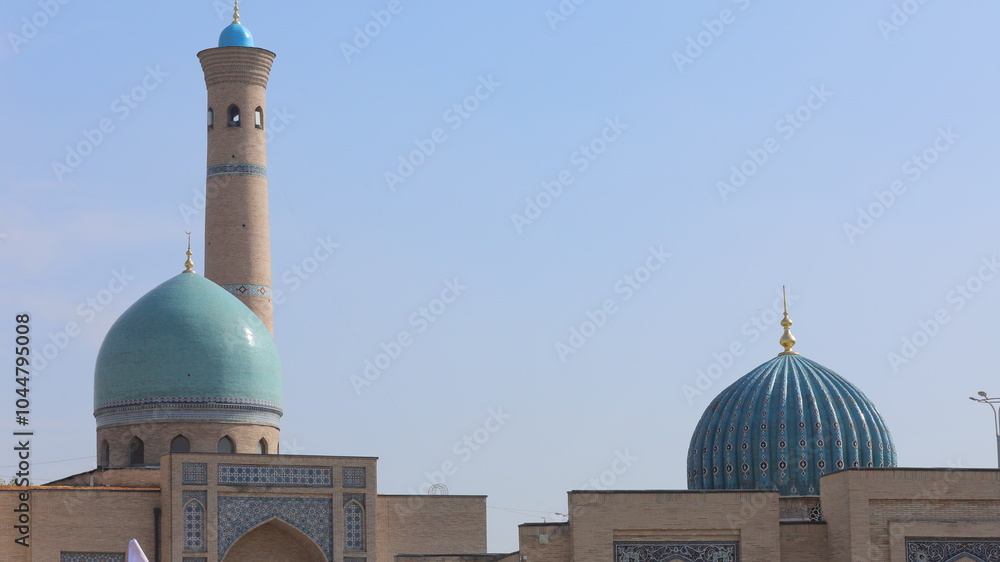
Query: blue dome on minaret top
(235, 34)
(784, 425)
(188, 350)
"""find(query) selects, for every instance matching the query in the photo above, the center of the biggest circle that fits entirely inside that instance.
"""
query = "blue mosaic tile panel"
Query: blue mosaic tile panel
(360, 498)
(249, 290)
(91, 557)
(312, 516)
(194, 521)
(354, 527)
(354, 477)
(237, 170)
(194, 473)
(930, 550)
(251, 475)
(676, 551)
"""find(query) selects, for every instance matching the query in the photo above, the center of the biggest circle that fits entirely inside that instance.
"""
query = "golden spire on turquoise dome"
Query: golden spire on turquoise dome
(787, 339)
(189, 264)
(236, 11)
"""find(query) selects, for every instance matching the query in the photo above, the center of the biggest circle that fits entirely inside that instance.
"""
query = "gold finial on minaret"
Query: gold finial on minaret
(189, 264)
(787, 339)
(236, 11)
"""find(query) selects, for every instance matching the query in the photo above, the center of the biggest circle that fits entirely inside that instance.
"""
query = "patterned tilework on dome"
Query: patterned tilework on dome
(686, 551)
(782, 426)
(312, 516)
(930, 550)
(250, 475)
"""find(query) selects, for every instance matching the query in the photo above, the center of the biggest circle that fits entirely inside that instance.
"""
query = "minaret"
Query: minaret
(237, 239)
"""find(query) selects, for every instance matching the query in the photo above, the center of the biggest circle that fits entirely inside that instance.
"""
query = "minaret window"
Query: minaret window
(180, 444)
(211, 118)
(262, 446)
(105, 461)
(258, 118)
(226, 445)
(136, 453)
(234, 116)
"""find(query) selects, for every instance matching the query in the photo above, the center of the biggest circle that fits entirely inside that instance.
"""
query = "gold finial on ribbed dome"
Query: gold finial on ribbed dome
(189, 264)
(787, 339)
(236, 11)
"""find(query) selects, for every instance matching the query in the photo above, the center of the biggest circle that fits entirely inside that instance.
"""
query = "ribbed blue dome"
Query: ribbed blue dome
(782, 426)
(187, 351)
(235, 35)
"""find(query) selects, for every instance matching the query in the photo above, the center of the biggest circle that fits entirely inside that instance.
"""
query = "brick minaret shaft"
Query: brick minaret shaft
(237, 238)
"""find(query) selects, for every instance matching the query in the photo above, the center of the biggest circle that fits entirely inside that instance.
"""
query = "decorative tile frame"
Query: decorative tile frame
(297, 476)
(725, 551)
(312, 516)
(354, 522)
(355, 477)
(249, 290)
(91, 557)
(237, 170)
(194, 473)
(195, 506)
(941, 550)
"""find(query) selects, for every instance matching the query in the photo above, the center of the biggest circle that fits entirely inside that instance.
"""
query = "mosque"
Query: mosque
(790, 463)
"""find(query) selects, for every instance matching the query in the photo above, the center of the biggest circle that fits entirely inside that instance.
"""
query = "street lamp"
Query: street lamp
(996, 417)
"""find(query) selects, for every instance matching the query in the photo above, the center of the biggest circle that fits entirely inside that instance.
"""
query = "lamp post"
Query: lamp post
(996, 417)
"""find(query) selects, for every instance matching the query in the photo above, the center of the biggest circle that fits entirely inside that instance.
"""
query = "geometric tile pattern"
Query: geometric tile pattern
(354, 527)
(249, 290)
(312, 516)
(930, 550)
(676, 551)
(194, 473)
(782, 426)
(249, 475)
(359, 498)
(91, 557)
(237, 170)
(354, 477)
(194, 521)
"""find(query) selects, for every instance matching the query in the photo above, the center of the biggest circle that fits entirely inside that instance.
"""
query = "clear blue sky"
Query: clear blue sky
(826, 108)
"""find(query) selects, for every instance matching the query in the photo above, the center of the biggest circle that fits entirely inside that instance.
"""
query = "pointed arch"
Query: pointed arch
(354, 526)
(211, 119)
(135, 452)
(227, 445)
(180, 444)
(234, 116)
(262, 446)
(274, 535)
(258, 118)
(194, 526)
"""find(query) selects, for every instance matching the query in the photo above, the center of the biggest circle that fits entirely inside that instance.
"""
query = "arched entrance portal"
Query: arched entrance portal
(274, 541)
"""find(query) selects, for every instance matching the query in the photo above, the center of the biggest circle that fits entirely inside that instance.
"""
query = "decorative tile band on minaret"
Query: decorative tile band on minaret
(237, 237)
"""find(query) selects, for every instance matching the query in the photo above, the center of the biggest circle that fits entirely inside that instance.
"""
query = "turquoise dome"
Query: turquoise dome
(235, 35)
(187, 351)
(782, 426)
